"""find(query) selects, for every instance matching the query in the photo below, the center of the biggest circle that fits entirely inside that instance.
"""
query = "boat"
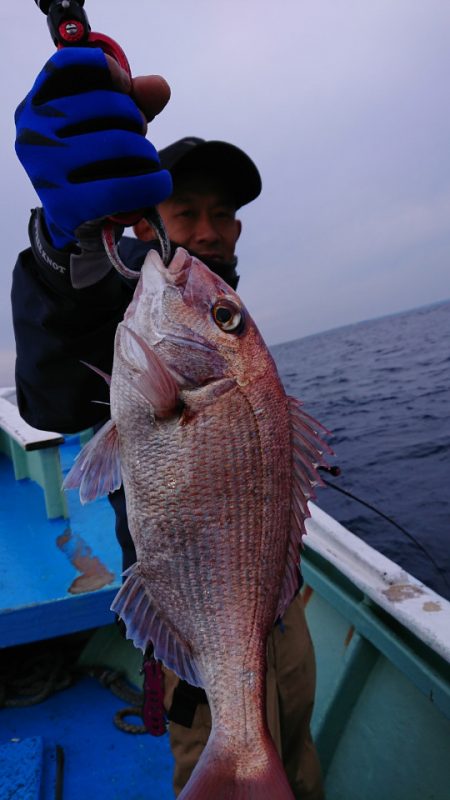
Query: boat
(382, 640)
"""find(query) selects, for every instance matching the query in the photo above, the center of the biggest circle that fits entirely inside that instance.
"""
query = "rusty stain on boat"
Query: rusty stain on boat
(430, 605)
(349, 636)
(94, 575)
(399, 592)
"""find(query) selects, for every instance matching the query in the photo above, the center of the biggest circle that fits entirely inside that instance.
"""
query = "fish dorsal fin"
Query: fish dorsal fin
(153, 380)
(96, 470)
(144, 623)
(307, 455)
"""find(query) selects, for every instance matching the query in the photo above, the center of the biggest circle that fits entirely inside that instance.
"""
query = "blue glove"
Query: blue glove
(81, 144)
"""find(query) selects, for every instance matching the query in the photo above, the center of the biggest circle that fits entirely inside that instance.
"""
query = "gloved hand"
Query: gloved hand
(81, 139)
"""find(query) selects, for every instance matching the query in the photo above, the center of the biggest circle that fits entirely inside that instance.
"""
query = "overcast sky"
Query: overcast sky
(342, 104)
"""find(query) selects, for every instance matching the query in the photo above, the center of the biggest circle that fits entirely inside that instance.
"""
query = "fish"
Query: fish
(218, 465)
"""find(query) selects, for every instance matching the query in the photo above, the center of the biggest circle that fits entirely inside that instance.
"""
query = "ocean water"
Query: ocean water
(383, 388)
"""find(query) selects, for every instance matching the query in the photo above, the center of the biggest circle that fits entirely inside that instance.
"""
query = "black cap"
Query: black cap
(226, 162)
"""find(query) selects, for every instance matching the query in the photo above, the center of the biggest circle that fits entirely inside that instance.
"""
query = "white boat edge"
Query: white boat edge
(421, 610)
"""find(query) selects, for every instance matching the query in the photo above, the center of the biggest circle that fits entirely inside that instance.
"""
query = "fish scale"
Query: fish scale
(218, 465)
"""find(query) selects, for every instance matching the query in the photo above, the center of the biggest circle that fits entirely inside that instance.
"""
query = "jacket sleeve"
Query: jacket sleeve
(57, 328)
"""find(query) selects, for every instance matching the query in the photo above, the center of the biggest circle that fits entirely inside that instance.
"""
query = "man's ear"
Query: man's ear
(144, 231)
(238, 224)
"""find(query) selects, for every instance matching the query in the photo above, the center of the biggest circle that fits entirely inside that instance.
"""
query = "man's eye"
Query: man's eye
(185, 213)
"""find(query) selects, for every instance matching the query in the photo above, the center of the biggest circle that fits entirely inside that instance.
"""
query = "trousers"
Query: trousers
(290, 689)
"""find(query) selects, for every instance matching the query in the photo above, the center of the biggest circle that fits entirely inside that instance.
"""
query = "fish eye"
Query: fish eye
(228, 316)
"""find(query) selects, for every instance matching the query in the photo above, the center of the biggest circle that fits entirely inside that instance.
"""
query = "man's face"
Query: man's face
(200, 217)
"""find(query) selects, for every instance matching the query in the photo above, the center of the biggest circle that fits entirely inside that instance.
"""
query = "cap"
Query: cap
(221, 160)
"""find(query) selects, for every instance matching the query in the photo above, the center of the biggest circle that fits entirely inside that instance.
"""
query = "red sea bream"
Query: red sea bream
(218, 465)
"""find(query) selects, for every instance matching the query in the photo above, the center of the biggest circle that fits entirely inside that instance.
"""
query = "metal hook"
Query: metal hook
(109, 243)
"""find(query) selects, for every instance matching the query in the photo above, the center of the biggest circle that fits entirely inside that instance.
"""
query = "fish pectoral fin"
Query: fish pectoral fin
(308, 449)
(153, 380)
(144, 623)
(96, 470)
(104, 375)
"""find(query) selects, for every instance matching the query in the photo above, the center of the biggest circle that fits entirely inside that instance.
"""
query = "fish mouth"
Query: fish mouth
(177, 272)
(176, 275)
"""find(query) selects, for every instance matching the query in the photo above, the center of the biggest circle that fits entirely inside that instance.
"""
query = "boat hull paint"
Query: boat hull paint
(382, 715)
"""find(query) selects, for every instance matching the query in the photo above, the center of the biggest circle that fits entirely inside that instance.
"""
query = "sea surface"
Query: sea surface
(383, 388)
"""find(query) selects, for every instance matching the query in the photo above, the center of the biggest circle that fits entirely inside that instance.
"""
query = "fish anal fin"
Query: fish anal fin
(152, 378)
(308, 448)
(144, 623)
(96, 470)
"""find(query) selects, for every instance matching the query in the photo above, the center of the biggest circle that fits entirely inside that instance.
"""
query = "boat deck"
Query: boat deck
(60, 564)
(68, 748)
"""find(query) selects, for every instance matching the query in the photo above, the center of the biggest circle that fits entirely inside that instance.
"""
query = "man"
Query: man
(79, 137)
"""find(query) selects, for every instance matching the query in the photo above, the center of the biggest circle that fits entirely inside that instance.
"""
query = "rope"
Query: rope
(115, 682)
(28, 678)
(30, 682)
(128, 727)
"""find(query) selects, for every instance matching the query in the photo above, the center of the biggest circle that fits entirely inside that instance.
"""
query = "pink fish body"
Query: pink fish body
(218, 464)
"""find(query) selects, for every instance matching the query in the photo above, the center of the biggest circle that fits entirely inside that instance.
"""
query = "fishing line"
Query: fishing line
(336, 471)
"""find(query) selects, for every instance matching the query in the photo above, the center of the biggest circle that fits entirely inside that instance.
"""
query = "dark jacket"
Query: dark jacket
(57, 328)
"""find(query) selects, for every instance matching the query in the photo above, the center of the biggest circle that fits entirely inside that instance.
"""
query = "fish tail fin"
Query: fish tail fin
(224, 776)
